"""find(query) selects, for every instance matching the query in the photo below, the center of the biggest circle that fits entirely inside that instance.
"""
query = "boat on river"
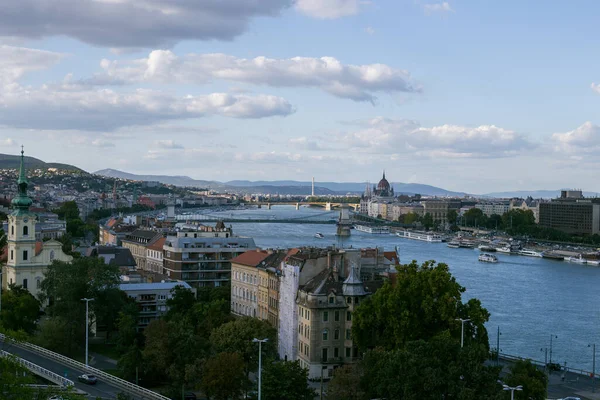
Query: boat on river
(422, 236)
(486, 247)
(593, 262)
(489, 258)
(578, 260)
(453, 244)
(529, 253)
(377, 230)
(319, 235)
(552, 255)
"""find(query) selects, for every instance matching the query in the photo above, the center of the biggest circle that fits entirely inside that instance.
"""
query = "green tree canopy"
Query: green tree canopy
(286, 380)
(427, 221)
(236, 337)
(533, 380)
(20, 310)
(424, 302)
(223, 376)
(346, 383)
(452, 216)
(475, 217)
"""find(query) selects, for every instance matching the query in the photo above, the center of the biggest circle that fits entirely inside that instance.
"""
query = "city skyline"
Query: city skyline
(459, 95)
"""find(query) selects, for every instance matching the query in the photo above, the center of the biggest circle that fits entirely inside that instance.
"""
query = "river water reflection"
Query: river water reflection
(529, 298)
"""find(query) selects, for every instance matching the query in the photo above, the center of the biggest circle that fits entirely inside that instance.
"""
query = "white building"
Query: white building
(498, 207)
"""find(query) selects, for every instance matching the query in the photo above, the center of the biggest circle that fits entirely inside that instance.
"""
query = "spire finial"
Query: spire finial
(384, 174)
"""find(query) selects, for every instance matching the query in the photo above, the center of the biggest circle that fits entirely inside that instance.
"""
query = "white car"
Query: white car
(571, 398)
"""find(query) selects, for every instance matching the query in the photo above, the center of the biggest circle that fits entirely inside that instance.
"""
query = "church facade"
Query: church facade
(27, 259)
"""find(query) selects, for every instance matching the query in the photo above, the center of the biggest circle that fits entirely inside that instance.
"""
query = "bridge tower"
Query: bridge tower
(268, 206)
(297, 206)
(344, 223)
(328, 206)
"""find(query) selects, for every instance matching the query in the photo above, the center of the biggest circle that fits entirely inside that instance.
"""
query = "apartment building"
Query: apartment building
(438, 208)
(137, 242)
(325, 306)
(151, 298)
(571, 214)
(201, 255)
(498, 207)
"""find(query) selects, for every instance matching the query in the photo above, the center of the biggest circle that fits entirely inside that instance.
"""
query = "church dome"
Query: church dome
(383, 184)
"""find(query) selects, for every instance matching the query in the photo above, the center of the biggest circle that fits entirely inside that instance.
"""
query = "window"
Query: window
(325, 335)
(348, 334)
(336, 316)
(349, 300)
(12, 254)
(325, 316)
(12, 230)
(25, 230)
(348, 315)
(336, 352)
(348, 352)
(38, 283)
(324, 354)
(331, 299)
(25, 255)
(308, 315)
(306, 349)
(336, 334)
(356, 301)
(24, 283)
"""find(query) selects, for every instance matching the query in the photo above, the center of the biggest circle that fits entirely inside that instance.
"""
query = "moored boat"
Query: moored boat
(422, 236)
(453, 245)
(552, 255)
(319, 235)
(529, 253)
(486, 247)
(578, 260)
(379, 230)
(593, 262)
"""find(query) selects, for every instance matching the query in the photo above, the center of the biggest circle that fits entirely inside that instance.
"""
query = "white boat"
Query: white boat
(485, 257)
(529, 253)
(377, 230)
(319, 235)
(578, 260)
(486, 247)
(422, 236)
(453, 245)
(593, 262)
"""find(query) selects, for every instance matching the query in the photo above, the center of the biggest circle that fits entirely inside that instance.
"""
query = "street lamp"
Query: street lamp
(551, 336)
(462, 330)
(512, 390)
(593, 346)
(498, 347)
(87, 302)
(260, 342)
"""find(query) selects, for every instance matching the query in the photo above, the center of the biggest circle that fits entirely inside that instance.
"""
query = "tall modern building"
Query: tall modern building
(27, 258)
(571, 213)
(201, 255)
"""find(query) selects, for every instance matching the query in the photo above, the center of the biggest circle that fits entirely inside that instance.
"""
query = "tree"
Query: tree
(410, 218)
(452, 216)
(346, 383)
(65, 284)
(427, 221)
(2, 239)
(68, 211)
(495, 222)
(533, 380)
(475, 217)
(286, 380)
(434, 369)
(52, 333)
(223, 376)
(236, 337)
(518, 221)
(20, 310)
(113, 300)
(181, 302)
(424, 302)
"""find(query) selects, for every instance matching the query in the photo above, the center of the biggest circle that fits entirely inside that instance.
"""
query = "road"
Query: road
(101, 389)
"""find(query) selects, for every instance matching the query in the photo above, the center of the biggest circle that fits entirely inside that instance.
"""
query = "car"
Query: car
(87, 378)
(56, 397)
(553, 367)
(571, 398)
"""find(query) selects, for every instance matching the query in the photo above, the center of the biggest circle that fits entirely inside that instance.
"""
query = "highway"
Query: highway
(101, 389)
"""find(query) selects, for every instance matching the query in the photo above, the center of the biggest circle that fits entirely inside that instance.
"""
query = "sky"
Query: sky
(466, 95)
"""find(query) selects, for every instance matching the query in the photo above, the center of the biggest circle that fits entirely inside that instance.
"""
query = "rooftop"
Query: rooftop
(130, 287)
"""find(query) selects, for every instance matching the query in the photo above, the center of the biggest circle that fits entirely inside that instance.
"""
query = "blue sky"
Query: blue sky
(467, 95)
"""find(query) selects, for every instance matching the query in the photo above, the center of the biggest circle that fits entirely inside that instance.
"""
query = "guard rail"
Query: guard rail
(36, 369)
(122, 384)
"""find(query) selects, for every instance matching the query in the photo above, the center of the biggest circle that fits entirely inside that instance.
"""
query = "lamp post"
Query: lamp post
(593, 346)
(498, 347)
(260, 342)
(87, 302)
(512, 390)
(551, 336)
(462, 330)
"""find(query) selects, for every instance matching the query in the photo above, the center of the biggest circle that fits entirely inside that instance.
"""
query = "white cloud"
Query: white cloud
(16, 61)
(441, 8)
(306, 144)
(356, 82)
(76, 107)
(584, 139)
(103, 143)
(596, 87)
(383, 135)
(8, 142)
(133, 23)
(370, 30)
(328, 9)
(168, 144)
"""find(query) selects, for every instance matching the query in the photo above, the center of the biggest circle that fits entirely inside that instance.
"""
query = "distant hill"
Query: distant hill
(280, 187)
(8, 161)
(536, 194)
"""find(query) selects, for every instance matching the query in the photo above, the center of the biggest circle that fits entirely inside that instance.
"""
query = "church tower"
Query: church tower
(27, 260)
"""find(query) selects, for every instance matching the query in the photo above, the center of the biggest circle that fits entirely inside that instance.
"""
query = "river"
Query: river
(529, 298)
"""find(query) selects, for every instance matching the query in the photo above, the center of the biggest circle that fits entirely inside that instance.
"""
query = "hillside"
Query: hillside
(280, 187)
(8, 161)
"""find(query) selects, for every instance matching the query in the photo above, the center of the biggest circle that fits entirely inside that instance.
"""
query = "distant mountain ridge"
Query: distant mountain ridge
(281, 186)
(9, 161)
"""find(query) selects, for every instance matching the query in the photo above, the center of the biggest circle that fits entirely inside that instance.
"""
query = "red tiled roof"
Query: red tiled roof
(111, 222)
(251, 258)
(392, 256)
(39, 246)
(158, 244)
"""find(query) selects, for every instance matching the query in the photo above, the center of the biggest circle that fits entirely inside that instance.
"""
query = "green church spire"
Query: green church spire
(22, 202)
